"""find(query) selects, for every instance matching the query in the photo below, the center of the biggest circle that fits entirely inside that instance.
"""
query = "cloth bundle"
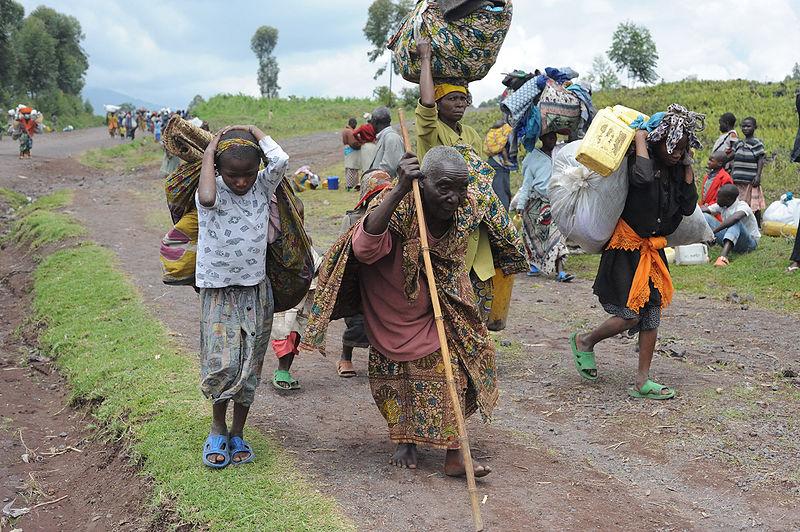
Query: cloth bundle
(585, 205)
(290, 264)
(549, 102)
(464, 50)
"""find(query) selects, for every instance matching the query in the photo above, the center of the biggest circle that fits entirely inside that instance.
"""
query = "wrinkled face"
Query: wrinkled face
(452, 106)
(442, 194)
(239, 174)
(748, 128)
(672, 159)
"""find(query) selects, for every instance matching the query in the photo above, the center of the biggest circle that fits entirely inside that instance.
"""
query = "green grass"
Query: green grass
(41, 227)
(38, 224)
(116, 356)
(12, 198)
(290, 116)
(761, 273)
(126, 156)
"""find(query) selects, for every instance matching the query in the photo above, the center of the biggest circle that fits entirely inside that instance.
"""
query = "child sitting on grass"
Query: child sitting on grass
(233, 208)
(738, 230)
(716, 177)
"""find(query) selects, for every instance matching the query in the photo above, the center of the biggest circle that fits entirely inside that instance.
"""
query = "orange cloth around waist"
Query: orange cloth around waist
(650, 267)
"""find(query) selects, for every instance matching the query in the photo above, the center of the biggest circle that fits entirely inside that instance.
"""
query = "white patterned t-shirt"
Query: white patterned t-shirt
(232, 233)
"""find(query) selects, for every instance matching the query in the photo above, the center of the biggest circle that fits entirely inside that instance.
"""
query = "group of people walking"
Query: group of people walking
(373, 275)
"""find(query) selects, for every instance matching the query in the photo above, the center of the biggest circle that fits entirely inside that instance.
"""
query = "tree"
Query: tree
(603, 74)
(383, 95)
(72, 60)
(383, 21)
(37, 61)
(263, 43)
(409, 96)
(197, 100)
(11, 15)
(632, 49)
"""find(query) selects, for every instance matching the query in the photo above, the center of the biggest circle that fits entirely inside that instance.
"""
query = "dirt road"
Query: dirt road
(566, 455)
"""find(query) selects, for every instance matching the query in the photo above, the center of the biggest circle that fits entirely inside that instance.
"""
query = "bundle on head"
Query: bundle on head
(185, 140)
(677, 123)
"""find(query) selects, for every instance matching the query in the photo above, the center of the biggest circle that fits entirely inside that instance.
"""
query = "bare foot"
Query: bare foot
(405, 456)
(454, 465)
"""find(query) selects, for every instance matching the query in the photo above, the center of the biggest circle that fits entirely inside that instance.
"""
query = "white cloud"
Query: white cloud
(170, 50)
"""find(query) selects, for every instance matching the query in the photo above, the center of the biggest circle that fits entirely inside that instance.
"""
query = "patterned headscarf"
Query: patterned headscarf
(227, 144)
(677, 122)
(372, 183)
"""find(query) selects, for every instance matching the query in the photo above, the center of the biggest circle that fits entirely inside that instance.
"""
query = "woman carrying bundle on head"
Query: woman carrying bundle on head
(26, 128)
(633, 282)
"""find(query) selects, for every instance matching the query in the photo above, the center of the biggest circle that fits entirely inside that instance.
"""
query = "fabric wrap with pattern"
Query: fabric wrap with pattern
(338, 295)
(463, 50)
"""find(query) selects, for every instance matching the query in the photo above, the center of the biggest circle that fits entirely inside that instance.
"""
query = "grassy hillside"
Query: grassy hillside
(772, 104)
(290, 117)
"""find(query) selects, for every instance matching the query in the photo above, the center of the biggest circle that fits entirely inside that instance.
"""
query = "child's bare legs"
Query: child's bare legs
(237, 427)
(218, 426)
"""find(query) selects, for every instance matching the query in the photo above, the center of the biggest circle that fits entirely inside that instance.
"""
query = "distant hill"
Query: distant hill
(100, 97)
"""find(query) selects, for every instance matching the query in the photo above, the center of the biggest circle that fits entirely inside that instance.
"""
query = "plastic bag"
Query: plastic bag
(692, 230)
(783, 211)
(586, 206)
(465, 49)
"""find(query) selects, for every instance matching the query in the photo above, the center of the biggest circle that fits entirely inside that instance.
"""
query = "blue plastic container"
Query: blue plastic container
(333, 182)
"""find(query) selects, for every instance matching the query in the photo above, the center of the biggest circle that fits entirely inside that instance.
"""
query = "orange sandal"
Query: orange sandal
(345, 372)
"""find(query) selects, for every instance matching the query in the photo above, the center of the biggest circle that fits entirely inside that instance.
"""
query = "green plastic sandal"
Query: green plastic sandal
(282, 380)
(584, 360)
(652, 390)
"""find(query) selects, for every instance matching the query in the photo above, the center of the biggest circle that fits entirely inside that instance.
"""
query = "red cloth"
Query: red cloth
(29, 125)
(365, 133)
(399, 329)
(710, 198)
(349, 138)
(286, 346)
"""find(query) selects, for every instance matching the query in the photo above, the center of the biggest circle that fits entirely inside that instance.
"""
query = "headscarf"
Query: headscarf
(227, 144)
(373, 183)
(443, 89)
(677, 122)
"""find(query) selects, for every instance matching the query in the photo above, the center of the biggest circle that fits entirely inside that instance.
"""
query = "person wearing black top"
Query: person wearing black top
(661, 192)
(795, 258)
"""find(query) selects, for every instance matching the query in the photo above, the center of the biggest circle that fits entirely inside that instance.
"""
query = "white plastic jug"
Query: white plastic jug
(691, 254)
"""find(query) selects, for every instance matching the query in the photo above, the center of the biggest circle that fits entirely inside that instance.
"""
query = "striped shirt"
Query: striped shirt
(747, 153)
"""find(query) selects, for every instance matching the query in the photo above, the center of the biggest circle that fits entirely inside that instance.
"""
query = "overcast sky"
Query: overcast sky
(166, 51)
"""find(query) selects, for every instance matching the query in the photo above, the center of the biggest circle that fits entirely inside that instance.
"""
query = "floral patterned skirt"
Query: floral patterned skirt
(414, 401)
(544, 243)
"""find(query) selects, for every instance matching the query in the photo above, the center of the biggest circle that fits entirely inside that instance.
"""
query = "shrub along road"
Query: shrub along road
(565, 454)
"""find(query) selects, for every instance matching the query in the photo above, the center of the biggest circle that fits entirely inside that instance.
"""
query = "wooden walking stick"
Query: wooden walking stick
(446, 360)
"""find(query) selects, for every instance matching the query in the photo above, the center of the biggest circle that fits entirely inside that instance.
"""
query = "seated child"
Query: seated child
(233, 208)
(714, 179)
(738, 230)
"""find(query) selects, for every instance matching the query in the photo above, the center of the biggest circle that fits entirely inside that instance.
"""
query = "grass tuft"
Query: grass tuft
(126, 156)
(14, 199)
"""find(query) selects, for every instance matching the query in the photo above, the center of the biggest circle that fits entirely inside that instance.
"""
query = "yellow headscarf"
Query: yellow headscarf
(230, 143)
(443, 89)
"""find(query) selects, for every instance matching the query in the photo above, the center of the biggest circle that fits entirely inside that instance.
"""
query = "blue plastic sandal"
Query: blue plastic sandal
(238, 445)
(534, 272)
(564, 277)
(216, 444)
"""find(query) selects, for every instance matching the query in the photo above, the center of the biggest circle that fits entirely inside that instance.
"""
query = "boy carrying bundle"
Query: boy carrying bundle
(233, 206)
